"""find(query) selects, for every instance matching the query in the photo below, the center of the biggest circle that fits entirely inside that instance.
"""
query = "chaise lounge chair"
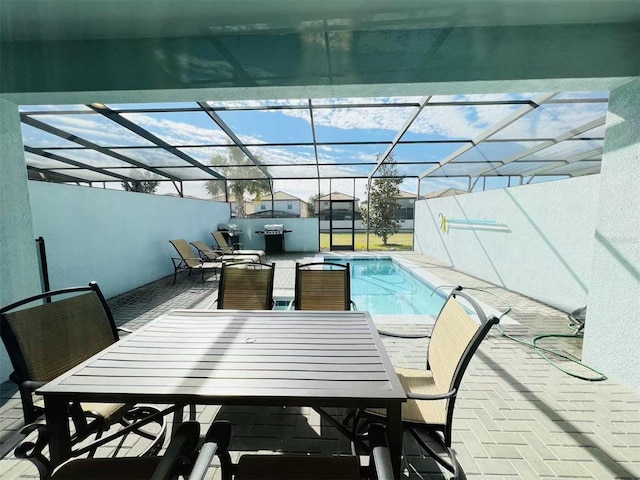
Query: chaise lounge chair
(189, 261)
(208, 254)
(226, 248)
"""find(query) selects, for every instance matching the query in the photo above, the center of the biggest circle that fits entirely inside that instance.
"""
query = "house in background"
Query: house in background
(445, 192)
(248, 206)
(280, 205)
(406, 201)
(344, 206)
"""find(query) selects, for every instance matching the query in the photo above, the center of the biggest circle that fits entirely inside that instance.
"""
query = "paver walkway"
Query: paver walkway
(517, 417)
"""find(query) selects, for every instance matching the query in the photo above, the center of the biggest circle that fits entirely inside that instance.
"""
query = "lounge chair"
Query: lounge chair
(50, 333)
(432, 391)
(323, 286)
(246, 286)
(189, 261)
(226, 248)
(208, 254)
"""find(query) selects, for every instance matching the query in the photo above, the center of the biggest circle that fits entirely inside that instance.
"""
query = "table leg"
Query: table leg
(394, 436)
(57, 416)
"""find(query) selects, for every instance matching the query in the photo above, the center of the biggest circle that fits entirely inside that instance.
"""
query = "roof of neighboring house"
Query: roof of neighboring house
(404, 194)
(337, 196)
(279, 196)
(447, 192)
(221, 198)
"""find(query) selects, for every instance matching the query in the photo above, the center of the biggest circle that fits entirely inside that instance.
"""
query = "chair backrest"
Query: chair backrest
(205, 250)
(222, 243)
(246, 286)
(322, 286)
(185, 252)
(45, 340)
(455, 338)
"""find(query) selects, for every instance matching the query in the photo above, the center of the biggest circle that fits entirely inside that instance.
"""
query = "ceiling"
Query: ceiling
(27, 20)
(524, 136)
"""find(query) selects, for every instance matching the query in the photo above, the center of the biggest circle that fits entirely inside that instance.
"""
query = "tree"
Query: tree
(141, 186)
(237, 188)
(311, 204)
(382, 209)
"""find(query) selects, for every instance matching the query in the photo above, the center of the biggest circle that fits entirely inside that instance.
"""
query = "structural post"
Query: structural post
(612, 328)
(19, 275)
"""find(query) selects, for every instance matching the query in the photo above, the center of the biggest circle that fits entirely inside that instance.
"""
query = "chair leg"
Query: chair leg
(452, 467)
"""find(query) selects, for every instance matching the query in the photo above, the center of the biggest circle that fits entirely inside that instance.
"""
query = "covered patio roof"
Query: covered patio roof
(529, 137)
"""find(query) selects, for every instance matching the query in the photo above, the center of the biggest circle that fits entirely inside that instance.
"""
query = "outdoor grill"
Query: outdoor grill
(231, 233)
(274, 237)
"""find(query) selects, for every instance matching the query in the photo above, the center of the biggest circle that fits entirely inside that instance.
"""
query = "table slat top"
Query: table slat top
(214, 356)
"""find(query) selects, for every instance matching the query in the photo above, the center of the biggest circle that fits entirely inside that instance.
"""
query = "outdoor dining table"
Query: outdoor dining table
(229, 357)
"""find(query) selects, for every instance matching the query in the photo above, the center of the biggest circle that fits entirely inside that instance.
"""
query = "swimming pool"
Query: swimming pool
(384, 287)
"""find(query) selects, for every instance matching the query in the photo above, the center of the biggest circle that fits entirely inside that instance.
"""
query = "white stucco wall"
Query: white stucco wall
(612, 325)
(547, 251)
(119, 239)
(303, 237)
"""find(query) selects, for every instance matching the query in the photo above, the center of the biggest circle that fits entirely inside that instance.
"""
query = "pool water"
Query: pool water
(384, 287)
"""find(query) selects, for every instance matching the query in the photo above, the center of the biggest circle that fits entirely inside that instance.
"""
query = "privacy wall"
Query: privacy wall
(535, 239)
(119, 239)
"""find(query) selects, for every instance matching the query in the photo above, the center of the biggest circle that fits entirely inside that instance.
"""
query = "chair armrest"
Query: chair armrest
(380, 457)
(183, 444)
(438, 396)
(353, 306)
(125, 330)
(216, 442)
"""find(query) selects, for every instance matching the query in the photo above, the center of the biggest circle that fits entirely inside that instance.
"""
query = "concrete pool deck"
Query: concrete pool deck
(517, 417)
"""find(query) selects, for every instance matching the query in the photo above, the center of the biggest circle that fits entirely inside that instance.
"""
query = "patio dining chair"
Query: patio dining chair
(48, 334)
(428, 414)
(208, 254)
(228, 249)
(246, 286)
(177, 460)
(323, 286)
(295, 466)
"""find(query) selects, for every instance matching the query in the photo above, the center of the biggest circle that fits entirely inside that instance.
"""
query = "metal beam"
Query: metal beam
(560, 138)
(60, 158)
(93, 146)
(492, 130)
(225, 128)
(138, 130)
(401, 132)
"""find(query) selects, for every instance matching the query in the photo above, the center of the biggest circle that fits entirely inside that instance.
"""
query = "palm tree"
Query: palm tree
(227, 163)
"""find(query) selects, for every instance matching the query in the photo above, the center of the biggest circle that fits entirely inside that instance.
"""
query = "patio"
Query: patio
(517, 416)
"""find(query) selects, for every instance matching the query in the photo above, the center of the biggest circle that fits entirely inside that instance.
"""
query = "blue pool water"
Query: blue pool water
(384, 287)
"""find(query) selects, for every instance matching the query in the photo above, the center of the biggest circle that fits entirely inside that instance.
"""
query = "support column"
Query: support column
(19, 274)
(612, 325)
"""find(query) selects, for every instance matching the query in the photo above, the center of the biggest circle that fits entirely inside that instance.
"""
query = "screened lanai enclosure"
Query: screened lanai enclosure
(321, 153)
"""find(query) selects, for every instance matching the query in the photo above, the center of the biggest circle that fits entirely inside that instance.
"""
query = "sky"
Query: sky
(191, 131)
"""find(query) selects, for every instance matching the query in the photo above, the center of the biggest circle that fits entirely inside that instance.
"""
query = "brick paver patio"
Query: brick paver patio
(516, 417)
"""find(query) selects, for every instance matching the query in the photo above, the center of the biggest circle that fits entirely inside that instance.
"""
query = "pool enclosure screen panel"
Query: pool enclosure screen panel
(341, 225)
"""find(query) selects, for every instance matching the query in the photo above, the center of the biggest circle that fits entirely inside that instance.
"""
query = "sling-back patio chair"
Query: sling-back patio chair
(246, 286)
(428, 414)
(176, 461)
(295, 466)
(226, 248)
(190, 261)
(48, 334)
(208, 254)
(323, 286)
